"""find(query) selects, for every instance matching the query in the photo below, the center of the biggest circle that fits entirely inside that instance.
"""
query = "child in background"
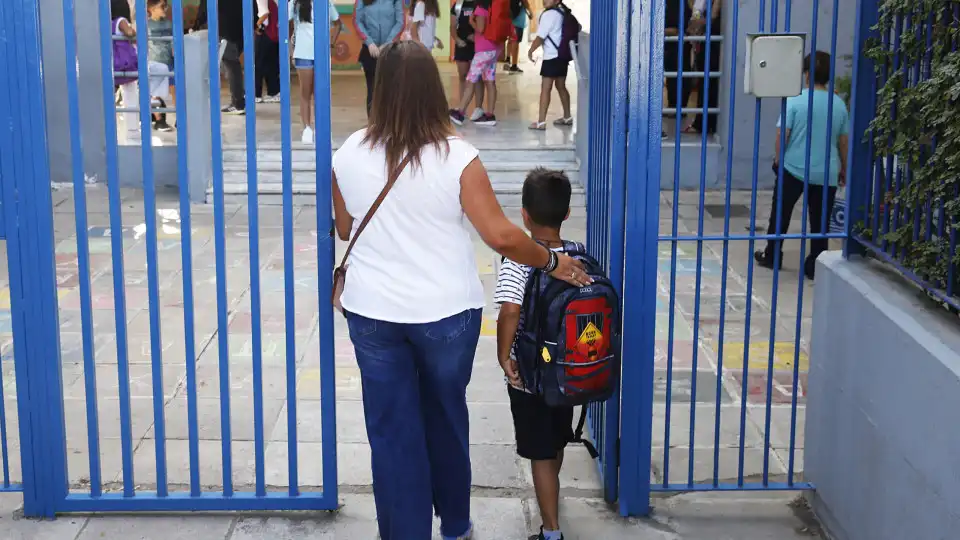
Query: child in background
(158, 78)
(542, 432)
(816, 69)
(267, 55)
(553, 71)
(464, 51)
(483, 66)
(424, 15)
(301, 14)
(161, 52)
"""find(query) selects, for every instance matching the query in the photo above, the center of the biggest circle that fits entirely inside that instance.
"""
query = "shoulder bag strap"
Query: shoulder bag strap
(391, 180)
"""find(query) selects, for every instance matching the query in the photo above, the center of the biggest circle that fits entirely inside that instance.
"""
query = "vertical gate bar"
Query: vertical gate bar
(881, 166)
(288, 262)
(803, 240)
(116, 244)
(675, 220)
(829, 144)
(641, 235)
(726, 246)
(4, 449)
(752, 243)
(83, 249)
(611, 408)
(699, 270)
(33, 295)
(250, 85)
(890, 174)
(35, 493)
(186, 247)
(325, 251)
(219, 238)
(150, 220)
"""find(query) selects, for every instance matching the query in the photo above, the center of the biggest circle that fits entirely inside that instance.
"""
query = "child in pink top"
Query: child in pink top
(482, 67)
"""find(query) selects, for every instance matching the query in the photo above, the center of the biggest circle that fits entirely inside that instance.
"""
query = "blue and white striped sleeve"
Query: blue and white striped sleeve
(511, 283)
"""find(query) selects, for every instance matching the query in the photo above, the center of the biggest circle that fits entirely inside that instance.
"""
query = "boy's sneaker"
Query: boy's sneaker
(162, 126)
(258, 100)
(230, 109)
(457, 117)
(541, 536)
(476, 114)
(486, 120)
(272, 99)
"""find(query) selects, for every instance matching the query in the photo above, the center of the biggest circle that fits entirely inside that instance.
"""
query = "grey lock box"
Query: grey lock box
(774, 65)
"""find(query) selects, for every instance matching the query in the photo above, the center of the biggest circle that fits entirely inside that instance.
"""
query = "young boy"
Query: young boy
(816, 70)
(553, 71)
(542, 432)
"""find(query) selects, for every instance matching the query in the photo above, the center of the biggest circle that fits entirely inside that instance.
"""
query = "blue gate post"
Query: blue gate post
(25, 178)
(862, 107)
(640, 254)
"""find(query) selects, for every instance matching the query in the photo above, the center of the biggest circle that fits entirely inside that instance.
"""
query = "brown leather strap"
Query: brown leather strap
(391, 180)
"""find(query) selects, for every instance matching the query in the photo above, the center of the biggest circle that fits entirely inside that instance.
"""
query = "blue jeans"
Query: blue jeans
(414, 379)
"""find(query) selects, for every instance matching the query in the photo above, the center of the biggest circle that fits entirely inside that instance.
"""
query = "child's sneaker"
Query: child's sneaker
(272, 99)
(542, 536)
(477, 113)
(457, 117)
(486, 120)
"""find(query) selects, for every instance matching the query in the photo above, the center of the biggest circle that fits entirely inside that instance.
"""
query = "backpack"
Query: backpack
(500, 26)
(570, 33)
(516, 8)
(124, 56)
(568, 350)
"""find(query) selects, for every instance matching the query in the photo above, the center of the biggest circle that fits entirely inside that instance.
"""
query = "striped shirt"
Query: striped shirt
(511, 289)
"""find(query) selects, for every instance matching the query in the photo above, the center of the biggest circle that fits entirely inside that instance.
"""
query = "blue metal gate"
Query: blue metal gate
(62, 355)
(715, 346)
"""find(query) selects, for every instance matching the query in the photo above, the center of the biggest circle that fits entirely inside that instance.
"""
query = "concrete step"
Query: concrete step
(304, 173)
(268, 153)
(507, 184)
(687, 173)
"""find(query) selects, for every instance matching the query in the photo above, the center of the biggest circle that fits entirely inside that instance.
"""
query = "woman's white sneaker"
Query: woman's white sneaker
(307, 137)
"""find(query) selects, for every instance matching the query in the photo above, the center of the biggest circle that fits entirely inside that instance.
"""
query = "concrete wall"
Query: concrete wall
(744, 115)
(581, 137)
(884, 391)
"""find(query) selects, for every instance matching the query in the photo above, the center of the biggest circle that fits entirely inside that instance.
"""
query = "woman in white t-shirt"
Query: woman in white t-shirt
(413, 296)
(301, 14)
(423, 14)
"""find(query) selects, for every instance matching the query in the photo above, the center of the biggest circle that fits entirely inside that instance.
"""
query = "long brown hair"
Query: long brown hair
(431, 7)
(409, 110)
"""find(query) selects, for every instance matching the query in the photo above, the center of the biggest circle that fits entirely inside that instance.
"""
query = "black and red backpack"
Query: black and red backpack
(568, 348)
(569, 33)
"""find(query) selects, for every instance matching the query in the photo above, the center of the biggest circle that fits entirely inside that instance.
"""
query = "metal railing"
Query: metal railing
(903, 211)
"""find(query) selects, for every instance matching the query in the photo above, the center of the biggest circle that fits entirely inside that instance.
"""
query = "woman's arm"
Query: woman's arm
(358, 18)
(480, 204)
(341, 218)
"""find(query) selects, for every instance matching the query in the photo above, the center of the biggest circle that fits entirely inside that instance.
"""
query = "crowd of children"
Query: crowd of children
(485, 30)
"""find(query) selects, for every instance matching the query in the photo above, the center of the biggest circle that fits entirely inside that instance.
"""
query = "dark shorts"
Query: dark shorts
(554, 68)
(463, 54)
(519, 31)
(542, 431)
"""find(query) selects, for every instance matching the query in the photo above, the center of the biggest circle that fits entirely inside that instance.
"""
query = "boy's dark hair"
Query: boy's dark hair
(818, 66)
(546, 197)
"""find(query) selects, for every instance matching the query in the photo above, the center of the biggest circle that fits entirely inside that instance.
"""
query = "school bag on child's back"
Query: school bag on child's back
(499, 27)
(568, 350)
(570, 33)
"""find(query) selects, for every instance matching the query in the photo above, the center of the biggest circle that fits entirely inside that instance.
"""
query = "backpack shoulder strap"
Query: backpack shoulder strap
(578, 434)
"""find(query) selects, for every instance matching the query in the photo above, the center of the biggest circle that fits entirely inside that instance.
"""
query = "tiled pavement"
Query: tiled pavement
(502, 481)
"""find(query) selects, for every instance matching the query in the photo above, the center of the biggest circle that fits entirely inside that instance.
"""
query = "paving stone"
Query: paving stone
(16, 527)
(156, 528)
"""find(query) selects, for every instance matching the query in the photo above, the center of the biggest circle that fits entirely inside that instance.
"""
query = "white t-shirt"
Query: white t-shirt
(550, 30)
(428, 25)
(414, 263)
(303, 31)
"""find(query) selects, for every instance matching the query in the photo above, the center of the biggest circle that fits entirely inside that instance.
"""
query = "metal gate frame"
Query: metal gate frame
(28, 222)
(641, 220)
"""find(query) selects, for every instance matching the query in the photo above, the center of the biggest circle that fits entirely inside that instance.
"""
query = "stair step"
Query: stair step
(494, 166)
(267, 177)
(300, 153)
